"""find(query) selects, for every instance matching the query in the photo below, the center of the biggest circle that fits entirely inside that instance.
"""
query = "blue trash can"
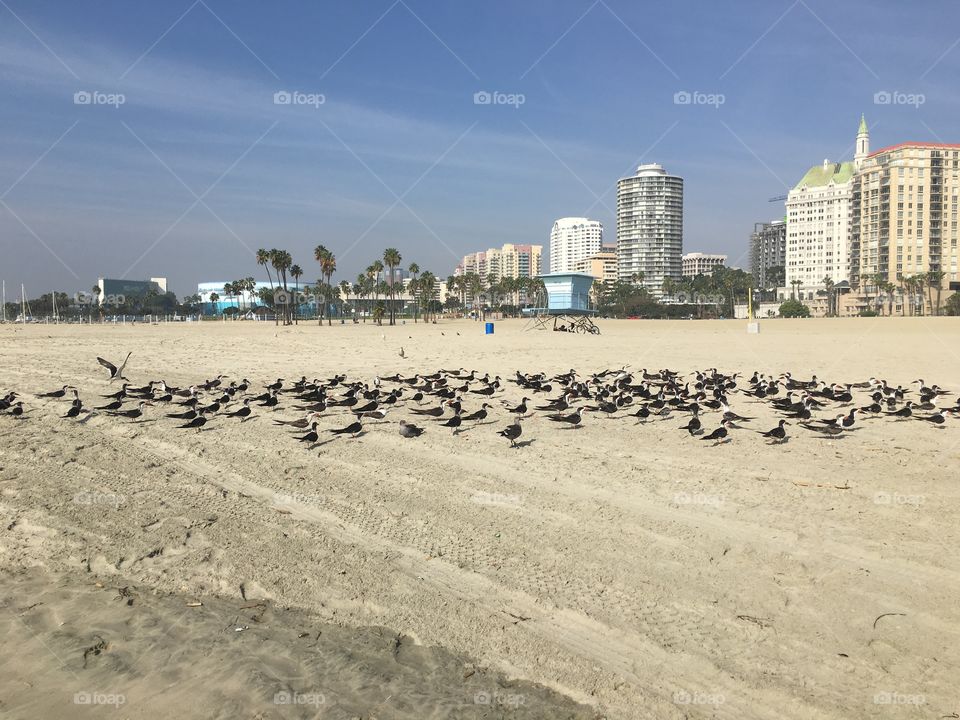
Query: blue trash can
(489, 329)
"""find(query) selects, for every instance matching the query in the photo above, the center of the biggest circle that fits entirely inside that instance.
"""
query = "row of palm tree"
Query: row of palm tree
(915, 291)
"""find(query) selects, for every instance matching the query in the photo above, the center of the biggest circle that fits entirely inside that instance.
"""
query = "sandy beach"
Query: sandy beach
(616, 570)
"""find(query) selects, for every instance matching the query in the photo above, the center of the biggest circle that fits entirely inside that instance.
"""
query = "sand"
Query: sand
(616, 570)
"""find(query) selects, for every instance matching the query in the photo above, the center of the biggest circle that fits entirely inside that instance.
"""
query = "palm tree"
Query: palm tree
(414, 271)
(362, 290)
(263, 259)
(345, 293)
(281, 261)
(296, 272)
(357, 290)
(935, 281)
(428, 286)
(391, 258)
(214, 297)
(328, 266)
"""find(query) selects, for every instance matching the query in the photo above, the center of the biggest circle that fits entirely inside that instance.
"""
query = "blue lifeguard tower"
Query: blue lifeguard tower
(568, 304)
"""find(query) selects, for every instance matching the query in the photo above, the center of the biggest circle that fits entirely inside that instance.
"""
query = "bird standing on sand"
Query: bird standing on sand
(719, 435)
(133, 414)
(242, 413)
(512, 432)
(778, 434)
(353, 429)
(198, 423)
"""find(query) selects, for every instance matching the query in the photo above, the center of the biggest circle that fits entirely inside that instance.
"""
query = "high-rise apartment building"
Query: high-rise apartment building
(650, 226)
(904, 217)
(573, 239)
(511, 260)
(768, 252)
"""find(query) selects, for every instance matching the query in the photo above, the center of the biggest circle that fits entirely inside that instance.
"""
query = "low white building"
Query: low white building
(696, 263)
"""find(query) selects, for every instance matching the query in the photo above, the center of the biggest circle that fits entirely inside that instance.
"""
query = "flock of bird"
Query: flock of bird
(820, 408)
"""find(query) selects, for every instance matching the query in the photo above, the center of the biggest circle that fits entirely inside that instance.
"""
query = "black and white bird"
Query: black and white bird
(719, 435)
(512, 432)
(777, 434)
(197, 423)
(243, 413)
(353, 429)
(115, 372)
(574, 419)
(134, 414)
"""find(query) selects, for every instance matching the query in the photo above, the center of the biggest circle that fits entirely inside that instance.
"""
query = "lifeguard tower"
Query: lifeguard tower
(568, 304)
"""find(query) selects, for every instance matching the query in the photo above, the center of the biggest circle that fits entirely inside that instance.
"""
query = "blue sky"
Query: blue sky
(199, 166)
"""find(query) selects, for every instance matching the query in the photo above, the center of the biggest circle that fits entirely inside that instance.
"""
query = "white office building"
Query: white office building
(650, 226)
(573, 239)
(701, 263)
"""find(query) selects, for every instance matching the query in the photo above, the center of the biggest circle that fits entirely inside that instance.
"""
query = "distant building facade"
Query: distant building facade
(650, 226)
(768, 252)
(571, 240)
(602, 265)
(127, 289)
(693, 264)
(513, 261)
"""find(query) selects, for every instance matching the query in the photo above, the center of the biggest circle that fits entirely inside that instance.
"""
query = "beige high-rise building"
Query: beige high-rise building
(602, 265)
(904, 214)
(511, 260)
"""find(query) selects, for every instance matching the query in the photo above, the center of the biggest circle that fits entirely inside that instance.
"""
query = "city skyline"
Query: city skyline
(242, 128)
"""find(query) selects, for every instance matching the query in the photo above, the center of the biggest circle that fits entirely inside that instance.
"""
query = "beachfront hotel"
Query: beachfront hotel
(650, 226)
(693, 264)
(904, 218)
(573, 239)
(818, 221)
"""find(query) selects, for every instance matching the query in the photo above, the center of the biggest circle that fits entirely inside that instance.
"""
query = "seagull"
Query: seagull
(132, 414)
(312, 436)
(409, 430)
(512, 432)
(719, 435)
(573, 420)
(778, 434)
(198, 423)
(353, 429)
(693, 425)
(243, 413)
(454, 422)
(56, 393)
(520, 409)
(115, 372)
(479, 415)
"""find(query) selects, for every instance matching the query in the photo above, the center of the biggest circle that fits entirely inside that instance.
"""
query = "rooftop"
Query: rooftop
(826, 173)
(898, 146)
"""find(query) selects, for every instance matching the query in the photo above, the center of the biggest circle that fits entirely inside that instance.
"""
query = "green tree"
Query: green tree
(793, 308)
